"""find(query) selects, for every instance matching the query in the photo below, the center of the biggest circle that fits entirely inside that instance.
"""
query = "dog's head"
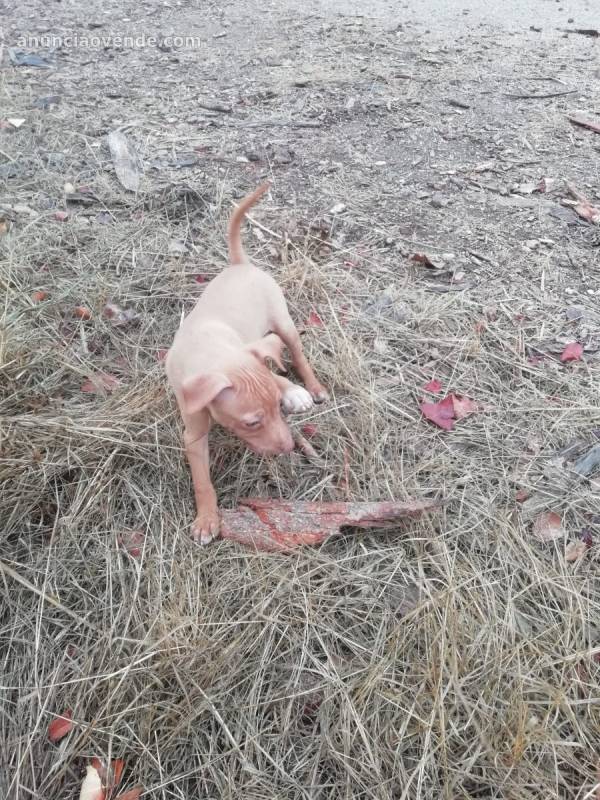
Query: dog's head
(245, 398)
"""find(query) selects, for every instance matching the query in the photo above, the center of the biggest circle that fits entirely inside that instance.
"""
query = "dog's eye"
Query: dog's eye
(254, 424)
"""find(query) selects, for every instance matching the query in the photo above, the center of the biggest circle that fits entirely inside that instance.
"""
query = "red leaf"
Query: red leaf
(309, 430)
(38, 296)
(201, 278)
(131, 794)
(441, 414)
(132, 542)
(572, 352)
(100, 382)
(82, 312)
(480, 326)
(61, 216)
(315, 320)
(349, 264)
(521, 495)
(59, 727)
(463, 406)
(423, 258)
(162, 353)
(548, 526)
(433, 386)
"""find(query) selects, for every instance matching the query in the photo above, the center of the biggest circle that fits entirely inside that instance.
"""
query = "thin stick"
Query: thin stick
(540, 96)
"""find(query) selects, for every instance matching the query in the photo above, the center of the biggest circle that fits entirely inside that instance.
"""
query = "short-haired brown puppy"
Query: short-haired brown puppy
(217, 368)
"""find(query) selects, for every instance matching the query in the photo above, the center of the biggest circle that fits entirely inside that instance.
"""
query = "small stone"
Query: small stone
(437, 201)
(570, 290)
(337, 208)
(68, 188)
(301, 82)
(532, 244)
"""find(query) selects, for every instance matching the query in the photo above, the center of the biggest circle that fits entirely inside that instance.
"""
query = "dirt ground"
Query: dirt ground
(455, 657)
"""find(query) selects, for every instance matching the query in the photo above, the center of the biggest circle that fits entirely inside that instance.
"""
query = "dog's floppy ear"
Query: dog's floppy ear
(270, 346)
(201, 390)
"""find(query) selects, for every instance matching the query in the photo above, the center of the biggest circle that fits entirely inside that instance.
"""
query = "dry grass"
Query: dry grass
(454, 658)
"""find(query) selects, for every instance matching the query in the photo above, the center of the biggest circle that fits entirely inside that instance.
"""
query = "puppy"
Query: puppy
(217, 368)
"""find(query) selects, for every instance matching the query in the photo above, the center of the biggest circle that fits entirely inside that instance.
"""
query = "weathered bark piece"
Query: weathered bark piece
(283, 526)
(125, 160)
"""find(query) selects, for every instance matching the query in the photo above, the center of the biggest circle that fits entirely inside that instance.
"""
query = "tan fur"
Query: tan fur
(217, 368)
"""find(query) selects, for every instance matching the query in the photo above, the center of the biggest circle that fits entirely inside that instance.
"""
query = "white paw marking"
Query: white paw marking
(296, 399)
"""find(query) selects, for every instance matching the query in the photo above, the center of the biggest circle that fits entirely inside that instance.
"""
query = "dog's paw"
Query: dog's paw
(206, 526)
(318, 393)
(295, 400)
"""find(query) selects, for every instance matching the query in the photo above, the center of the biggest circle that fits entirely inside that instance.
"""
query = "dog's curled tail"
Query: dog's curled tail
(234, 239)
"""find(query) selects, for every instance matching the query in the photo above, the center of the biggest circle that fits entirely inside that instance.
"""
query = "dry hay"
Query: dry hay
(452, 658)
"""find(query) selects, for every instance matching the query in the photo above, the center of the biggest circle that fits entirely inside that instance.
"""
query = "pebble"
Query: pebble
(437, 201)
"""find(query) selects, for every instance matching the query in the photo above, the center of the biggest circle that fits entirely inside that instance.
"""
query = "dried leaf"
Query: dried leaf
(521, 495)
(38, 296)
(463, 406)
(433, 386)
(61, 216)
(120, 316)
(91, 788)
(81, 312)
(441, 414)
(575, 550)
(588, 212)
(125, 160)
(548, 526)
(202, 278)
(60, 726)
(3, 226)
(315, 320)
(100, 382)
(423, 258)
(132, 542)
(162, 353)
(309, 430)
(572, 352)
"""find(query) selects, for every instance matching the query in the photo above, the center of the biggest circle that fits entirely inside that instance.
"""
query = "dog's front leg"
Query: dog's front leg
(206, 524)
